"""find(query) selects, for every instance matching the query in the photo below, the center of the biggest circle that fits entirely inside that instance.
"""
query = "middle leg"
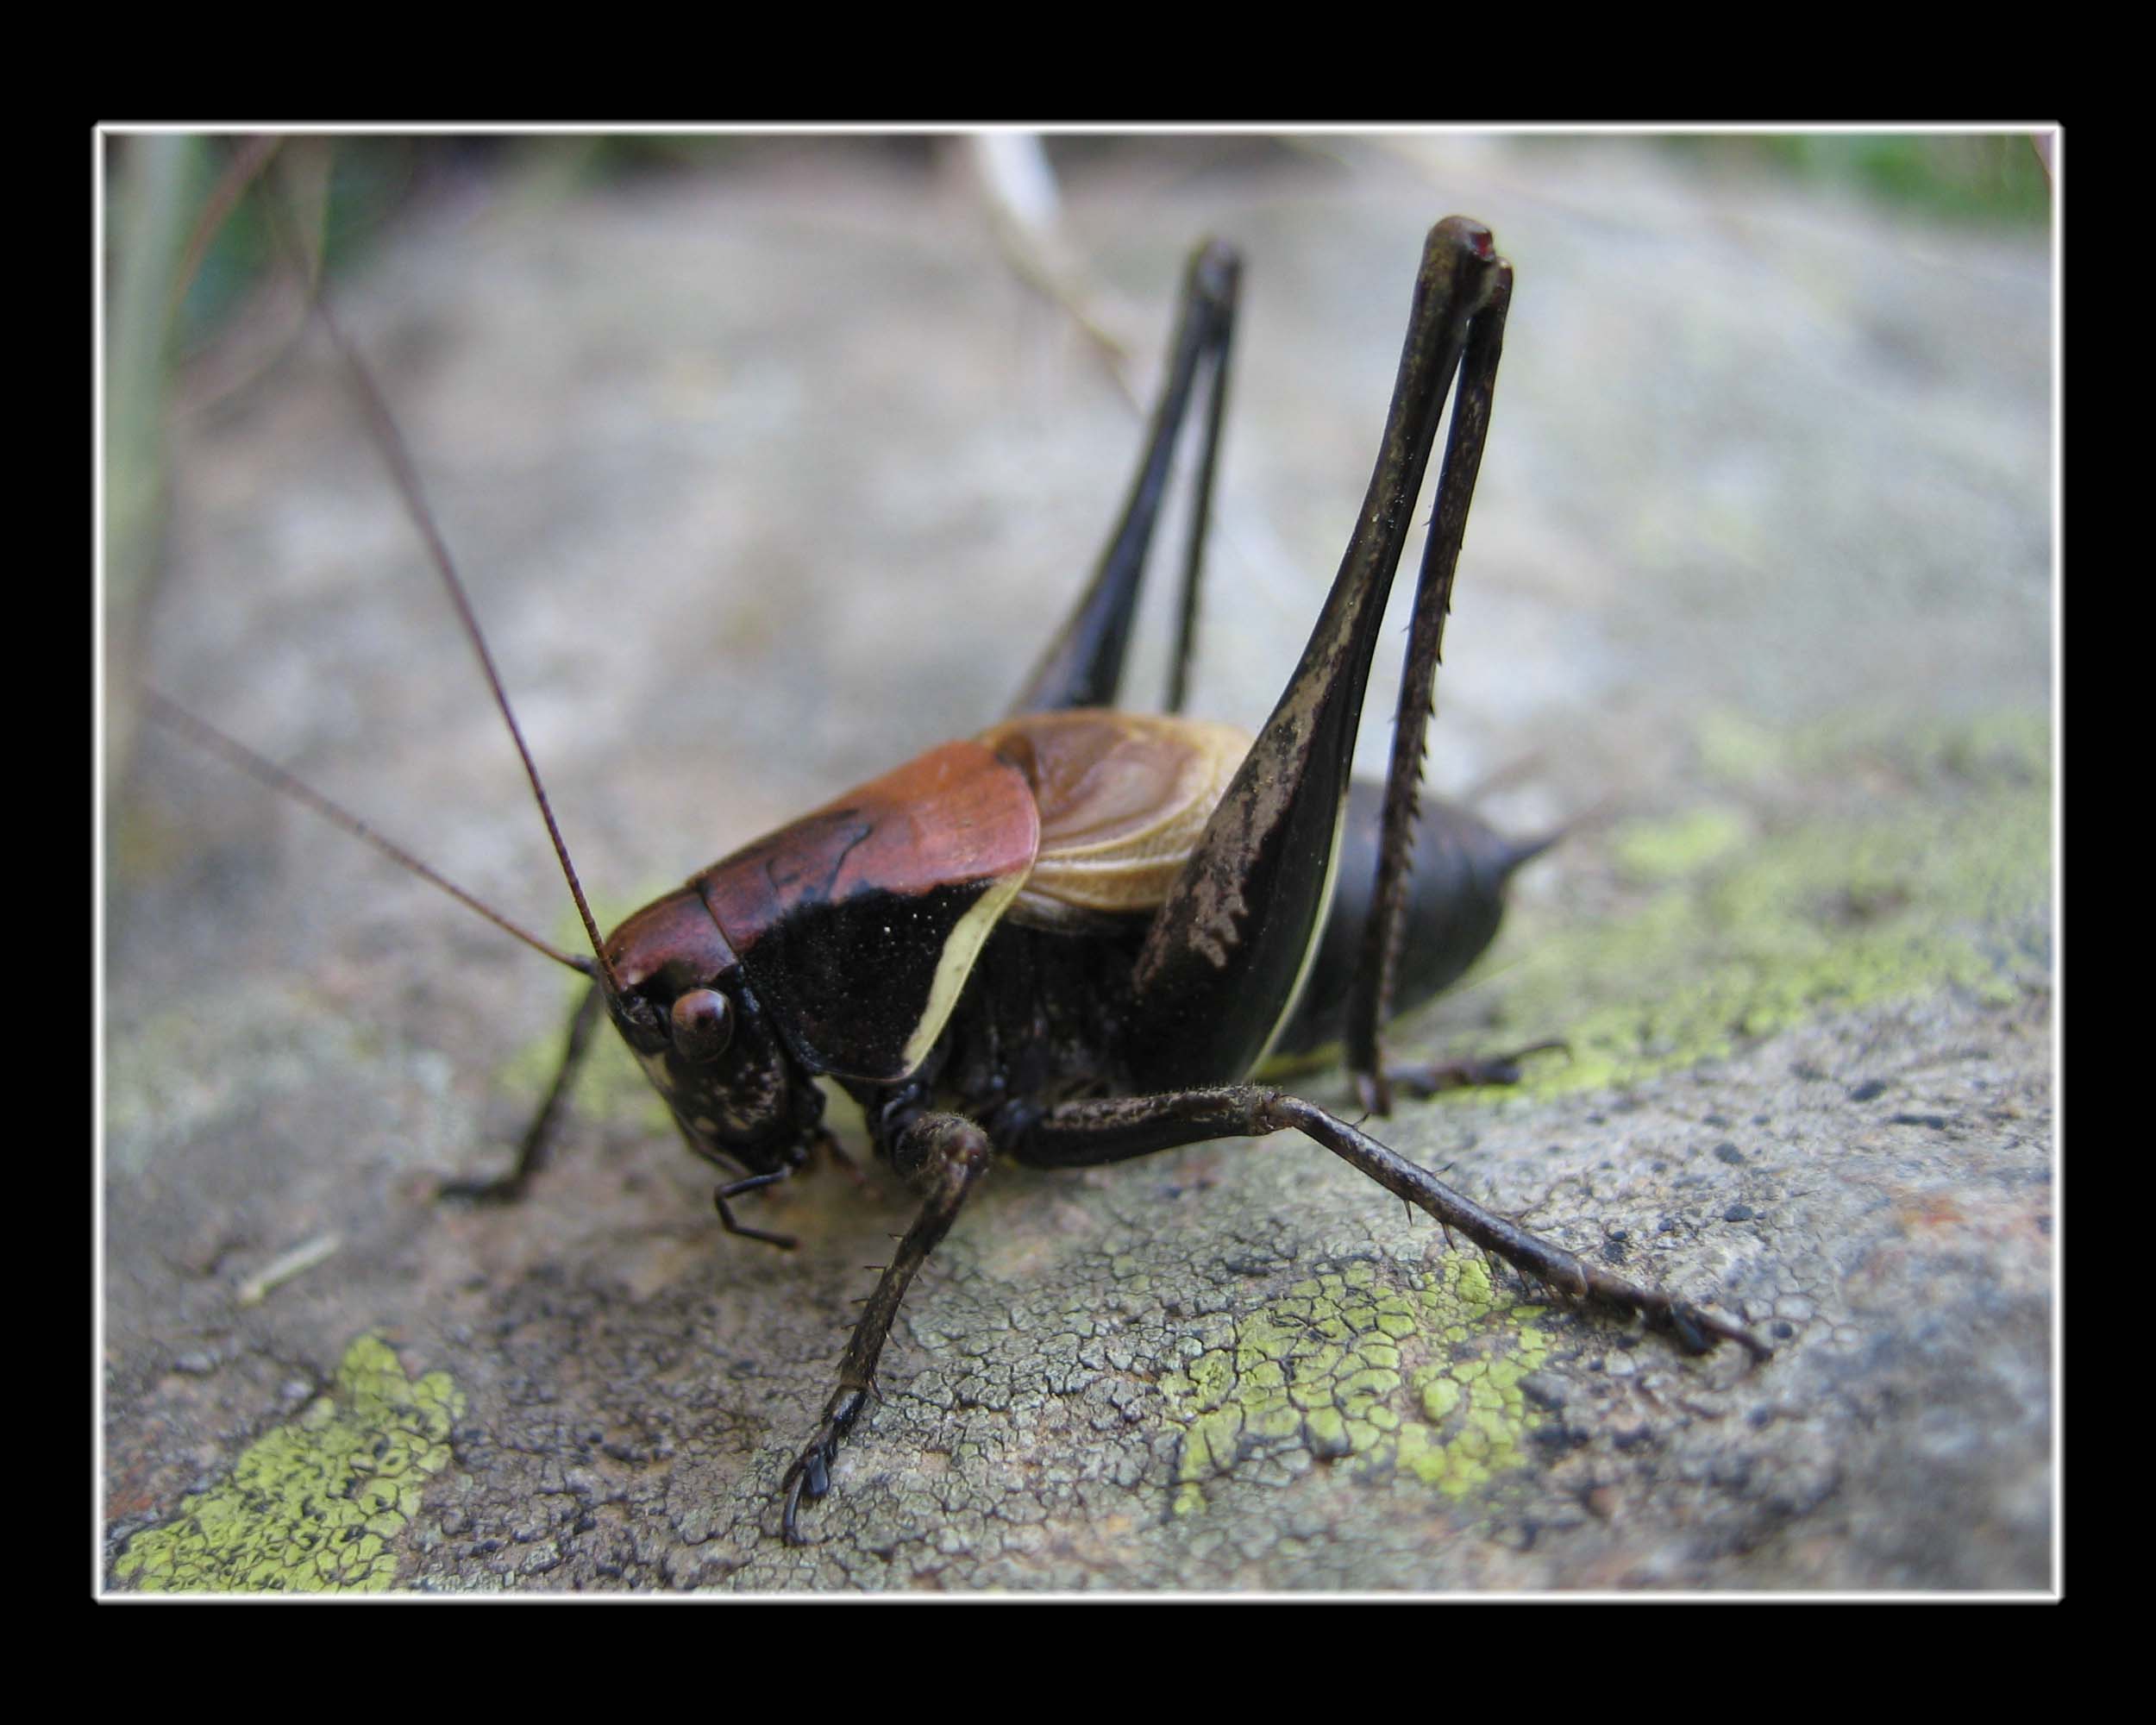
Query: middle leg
(1116, 1129)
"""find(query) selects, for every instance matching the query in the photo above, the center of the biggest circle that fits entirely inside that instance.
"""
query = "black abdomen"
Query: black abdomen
(1456, 900)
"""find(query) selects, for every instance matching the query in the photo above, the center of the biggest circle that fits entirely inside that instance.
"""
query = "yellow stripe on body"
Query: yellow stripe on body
(954, 966)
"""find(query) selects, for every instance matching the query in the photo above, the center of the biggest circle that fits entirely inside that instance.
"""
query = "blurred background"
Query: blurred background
(843, 420)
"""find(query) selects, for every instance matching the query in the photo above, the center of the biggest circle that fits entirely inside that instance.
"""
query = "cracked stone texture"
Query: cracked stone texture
(768, 475)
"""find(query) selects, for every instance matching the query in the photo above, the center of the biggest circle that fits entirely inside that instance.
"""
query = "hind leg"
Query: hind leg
(1083, 664)
(1228, 949)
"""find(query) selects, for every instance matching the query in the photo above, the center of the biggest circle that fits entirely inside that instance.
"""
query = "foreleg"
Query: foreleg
(531, 1154)
(943, 1155)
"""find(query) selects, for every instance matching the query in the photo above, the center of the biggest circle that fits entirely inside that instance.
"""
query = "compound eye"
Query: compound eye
(702, 1024)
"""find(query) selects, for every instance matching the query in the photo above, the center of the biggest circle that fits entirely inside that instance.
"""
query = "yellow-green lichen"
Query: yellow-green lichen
(318, 1505)
(1734, 749)
(1869, 865)
(1663, 851)
(1423, 1380)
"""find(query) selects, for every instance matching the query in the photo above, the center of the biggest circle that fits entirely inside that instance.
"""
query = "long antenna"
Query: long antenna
(389, 443)
(205, 735)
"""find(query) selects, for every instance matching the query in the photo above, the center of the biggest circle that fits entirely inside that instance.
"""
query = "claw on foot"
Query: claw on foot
(810, 1476)
(505, 1191)
(1697, 1332)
